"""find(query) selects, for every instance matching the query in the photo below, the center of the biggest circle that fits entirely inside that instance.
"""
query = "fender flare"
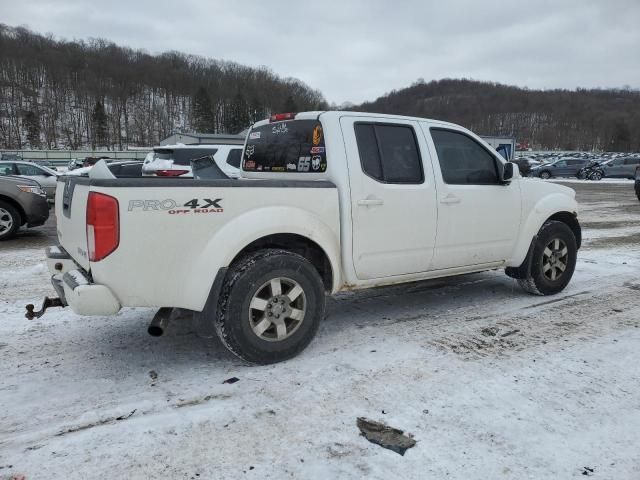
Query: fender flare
(543, 210)
(234, 236)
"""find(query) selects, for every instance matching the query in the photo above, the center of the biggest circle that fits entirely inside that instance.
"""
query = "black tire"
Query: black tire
(8, 214)
(235, 318)
(596, 176)
(545, 174)
(538, 281)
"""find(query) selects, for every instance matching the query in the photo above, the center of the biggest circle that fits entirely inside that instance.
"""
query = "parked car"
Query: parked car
(45, 163)
(175, 160)
(525, 165)
(565, 167)
(622, 167)
(327, 202)
(45, 177)
(22, 202)
(75, 163)
(591, 171)
(124, 169)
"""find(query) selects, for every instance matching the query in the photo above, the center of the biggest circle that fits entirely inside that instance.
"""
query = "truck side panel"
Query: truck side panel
(179, 237)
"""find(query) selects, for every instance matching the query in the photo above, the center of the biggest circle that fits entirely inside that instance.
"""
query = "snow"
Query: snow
(614, 181)
(554, 391)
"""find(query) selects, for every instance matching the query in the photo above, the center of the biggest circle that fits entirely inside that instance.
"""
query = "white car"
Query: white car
(328, 201)
(175, 160)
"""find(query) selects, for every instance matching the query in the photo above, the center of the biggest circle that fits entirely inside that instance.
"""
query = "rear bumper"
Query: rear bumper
(75, 288)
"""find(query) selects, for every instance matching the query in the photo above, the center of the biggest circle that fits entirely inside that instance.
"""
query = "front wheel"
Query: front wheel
(597, 176)
(270, 306)
(553, 260)
(9, 220)
(545, 175)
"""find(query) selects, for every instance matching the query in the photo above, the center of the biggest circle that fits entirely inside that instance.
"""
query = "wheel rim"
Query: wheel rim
(597, 176)
(277, 309)
(544, 175)
(6, 221)
(555, 259)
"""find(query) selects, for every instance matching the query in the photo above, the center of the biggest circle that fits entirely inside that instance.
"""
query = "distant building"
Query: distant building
(203, 138)
(506, 146)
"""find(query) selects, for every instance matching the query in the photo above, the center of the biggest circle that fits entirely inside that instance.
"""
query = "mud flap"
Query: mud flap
(524, 270)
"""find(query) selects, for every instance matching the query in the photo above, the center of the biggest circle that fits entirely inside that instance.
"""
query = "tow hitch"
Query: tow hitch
(48, 303)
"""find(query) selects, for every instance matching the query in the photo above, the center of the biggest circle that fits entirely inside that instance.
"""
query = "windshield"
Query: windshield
(295, 146)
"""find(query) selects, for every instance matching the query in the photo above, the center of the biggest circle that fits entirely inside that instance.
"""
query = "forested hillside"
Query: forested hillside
(548, 119)
(71, 94)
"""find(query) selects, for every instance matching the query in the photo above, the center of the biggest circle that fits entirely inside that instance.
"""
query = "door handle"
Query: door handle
(450, 200)
(368, 202)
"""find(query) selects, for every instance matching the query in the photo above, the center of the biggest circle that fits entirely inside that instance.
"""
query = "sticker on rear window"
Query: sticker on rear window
(317, 150)
(254, 135)
(317, 135)
(279, 129)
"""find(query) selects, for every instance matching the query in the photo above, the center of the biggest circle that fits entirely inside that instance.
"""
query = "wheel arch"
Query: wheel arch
(557, 206)
(284, 227)
(17, 206)
(293, 242)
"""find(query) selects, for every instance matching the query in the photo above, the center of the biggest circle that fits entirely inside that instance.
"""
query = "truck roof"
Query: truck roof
(338, 113)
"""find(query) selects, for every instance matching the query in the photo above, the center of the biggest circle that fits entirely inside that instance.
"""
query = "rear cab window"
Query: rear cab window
(291, 146)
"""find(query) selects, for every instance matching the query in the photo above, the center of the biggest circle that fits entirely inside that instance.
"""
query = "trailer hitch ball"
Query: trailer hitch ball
(48, 303)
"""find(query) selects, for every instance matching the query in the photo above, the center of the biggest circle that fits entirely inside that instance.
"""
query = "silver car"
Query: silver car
(46, 177)
(22, 202)
(621, 167)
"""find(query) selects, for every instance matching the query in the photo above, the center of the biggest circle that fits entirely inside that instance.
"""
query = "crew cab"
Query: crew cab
(328, 201)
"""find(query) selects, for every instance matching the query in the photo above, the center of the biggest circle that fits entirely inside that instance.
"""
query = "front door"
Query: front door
(393, 197)
(479, 217)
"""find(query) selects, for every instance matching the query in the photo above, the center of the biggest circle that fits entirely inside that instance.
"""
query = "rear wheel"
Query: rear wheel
(553, 260)
(270, 306)
(9, 220)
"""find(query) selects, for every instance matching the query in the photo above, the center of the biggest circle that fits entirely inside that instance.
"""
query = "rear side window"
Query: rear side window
(295, 146)
(389, 153)
(463, 161)
(235, 157)
(30, 170)
(6, 168)
(632, 161)
(133, 170)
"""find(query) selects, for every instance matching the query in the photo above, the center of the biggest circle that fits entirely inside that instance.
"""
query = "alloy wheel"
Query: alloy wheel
(277, 309)
(6, 221)
(555, 259)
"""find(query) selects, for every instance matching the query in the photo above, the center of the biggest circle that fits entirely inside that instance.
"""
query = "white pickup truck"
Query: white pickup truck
(328, 201)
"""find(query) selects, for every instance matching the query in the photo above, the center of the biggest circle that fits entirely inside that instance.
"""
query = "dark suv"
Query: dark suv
(22, 202)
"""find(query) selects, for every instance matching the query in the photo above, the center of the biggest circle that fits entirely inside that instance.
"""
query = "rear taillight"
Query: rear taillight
(170, 173)
(278, 117)
(103, 226)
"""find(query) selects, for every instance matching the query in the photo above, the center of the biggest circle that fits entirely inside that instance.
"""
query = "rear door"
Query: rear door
(615, 168)
(393, 197)
(630, 165)
(478, 216)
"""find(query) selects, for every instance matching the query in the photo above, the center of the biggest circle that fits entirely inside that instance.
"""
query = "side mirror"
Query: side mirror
(507, 172)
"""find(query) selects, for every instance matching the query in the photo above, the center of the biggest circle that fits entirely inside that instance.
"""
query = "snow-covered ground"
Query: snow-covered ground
(491, 382)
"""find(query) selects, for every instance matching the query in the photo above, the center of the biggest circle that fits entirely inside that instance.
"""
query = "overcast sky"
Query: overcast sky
(356, 50)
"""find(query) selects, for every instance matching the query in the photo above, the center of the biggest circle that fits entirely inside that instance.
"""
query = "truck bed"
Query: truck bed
(175, 234)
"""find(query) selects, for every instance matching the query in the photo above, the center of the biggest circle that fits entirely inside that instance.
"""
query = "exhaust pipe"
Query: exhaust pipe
(160, 322)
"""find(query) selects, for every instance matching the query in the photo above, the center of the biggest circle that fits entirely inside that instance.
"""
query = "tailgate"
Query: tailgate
(71, 217)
